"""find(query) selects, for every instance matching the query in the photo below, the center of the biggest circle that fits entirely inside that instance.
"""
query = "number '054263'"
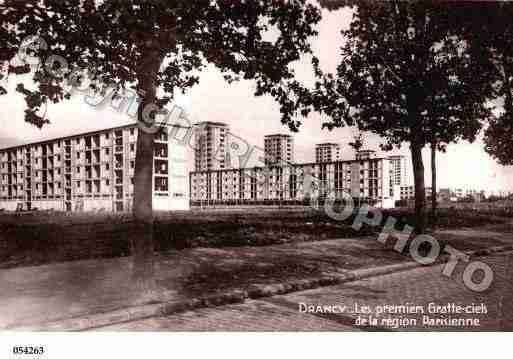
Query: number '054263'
(28, 350)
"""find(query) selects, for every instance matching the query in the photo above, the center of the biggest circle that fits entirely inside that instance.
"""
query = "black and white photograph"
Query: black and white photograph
(255, 166)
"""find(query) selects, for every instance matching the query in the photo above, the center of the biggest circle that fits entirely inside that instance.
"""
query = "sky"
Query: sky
(463, 165)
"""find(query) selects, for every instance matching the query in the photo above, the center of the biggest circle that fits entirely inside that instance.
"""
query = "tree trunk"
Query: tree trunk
(142, 244)
(433, 183)
(420, 190)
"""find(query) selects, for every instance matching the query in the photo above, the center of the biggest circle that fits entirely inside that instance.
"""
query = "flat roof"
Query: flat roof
(222, 124)
(79, 134)
(278, 135)
(66, 137)
(327, 144)
(289, 165)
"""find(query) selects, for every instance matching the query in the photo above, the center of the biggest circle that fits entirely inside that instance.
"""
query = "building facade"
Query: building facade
(445, 194)
(365, 181)
(327, 152)
(398, 170)
(407, 192)
(461, 194)
(90, 171)
(398, 179)
(210, 146)
(278, 149)
(363, 155)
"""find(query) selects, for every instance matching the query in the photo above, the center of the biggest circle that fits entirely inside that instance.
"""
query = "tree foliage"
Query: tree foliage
(496, 37)
(407, 74)
(113, 40)
(357, 143)
(404, 75)
(488, 28)
(154, 47)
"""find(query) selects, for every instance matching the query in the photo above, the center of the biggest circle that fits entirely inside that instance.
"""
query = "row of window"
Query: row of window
(68, 143)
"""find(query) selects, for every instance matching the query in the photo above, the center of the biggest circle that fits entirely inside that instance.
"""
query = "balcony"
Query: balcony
(160, 140)
(161, 154)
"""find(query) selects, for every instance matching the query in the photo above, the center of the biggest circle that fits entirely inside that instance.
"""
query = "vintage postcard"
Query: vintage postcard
(255, 166)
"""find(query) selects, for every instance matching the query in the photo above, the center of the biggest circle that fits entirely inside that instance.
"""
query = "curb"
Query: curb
(254, 291)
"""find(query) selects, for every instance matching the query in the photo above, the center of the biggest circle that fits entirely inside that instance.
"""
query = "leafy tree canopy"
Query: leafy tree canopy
(153, 47)
(406, 76)
(121, 42)
(410, 72)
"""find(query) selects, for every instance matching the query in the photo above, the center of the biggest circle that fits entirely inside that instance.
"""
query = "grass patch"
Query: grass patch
(49, 237)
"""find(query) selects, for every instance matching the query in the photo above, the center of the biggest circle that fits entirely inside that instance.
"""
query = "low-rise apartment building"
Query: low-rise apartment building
(90, 171)
(364, 180)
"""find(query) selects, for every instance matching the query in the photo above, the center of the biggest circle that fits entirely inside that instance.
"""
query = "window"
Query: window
(131, 131)
(107, 151)
(161, 184)
(78, 154)
(132, 147)
(107, 182)
(78, 169)
(107, 166)
(132, 164)
(106, 136)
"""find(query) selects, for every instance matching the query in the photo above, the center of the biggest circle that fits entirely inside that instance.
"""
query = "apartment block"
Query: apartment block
(461, 194)
(364, 180)
(398, 170)
(362, 155)
(90, 171)
(278, 149)
(407, 192)
(327, 152)
(211, 151)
